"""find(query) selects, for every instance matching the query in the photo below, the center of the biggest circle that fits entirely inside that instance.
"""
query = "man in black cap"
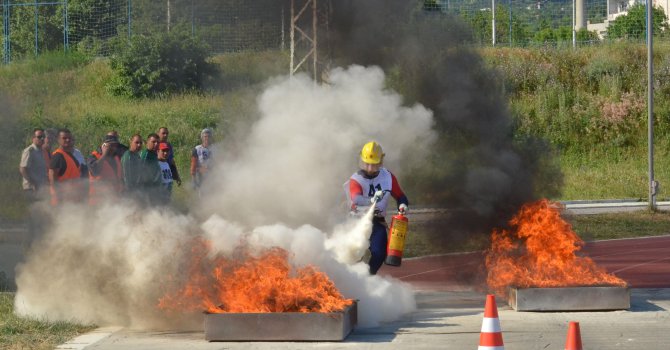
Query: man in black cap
(120, 148)
(104, 171)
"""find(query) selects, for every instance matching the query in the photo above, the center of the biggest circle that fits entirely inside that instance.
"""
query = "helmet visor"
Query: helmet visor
(370, 169)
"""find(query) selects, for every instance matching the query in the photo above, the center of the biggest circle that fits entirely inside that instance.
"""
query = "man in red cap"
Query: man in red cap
(163, 133)
(166, 172)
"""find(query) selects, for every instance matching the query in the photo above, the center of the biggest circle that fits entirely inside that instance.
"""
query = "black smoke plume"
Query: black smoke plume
(479, 169)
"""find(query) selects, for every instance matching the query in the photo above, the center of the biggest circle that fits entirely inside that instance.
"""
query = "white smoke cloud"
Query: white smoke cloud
(283, 187)
(107, 265)
(379, 298)
(349, 240)
(305, 146)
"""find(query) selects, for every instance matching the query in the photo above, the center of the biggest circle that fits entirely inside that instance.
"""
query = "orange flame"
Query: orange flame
(540, 252)
(265, 283)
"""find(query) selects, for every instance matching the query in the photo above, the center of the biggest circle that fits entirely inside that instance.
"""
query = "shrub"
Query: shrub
(160, 64)
(584, 35)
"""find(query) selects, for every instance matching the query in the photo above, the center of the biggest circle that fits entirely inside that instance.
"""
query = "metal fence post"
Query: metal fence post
(66, 29)
(7, 50)
(510, 23)
(130, 7)
(37, 28)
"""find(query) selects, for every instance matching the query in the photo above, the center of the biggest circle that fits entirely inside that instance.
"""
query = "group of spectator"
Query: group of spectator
(114, 169)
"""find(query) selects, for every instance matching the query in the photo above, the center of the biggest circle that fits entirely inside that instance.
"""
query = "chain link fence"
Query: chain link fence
(33, 27)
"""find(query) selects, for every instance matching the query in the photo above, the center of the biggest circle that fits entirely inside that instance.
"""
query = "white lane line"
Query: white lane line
(438, 269)
(625, 253)
(641, 264)
(660, 237)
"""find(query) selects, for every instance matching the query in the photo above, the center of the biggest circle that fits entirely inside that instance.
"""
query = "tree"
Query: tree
(633, 24)
(160, 64)
(49, 29)
(92, 23)
(482, 26)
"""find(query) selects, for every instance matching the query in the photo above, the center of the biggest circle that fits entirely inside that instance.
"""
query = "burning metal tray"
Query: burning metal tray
(281, 326)
(583, 298)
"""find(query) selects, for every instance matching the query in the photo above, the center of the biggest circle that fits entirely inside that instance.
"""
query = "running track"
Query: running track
(642, 262)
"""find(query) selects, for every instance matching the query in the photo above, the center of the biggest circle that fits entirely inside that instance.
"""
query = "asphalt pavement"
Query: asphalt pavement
(449, 320)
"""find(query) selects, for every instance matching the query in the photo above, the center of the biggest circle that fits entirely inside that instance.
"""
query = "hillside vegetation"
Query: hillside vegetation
(71, 91)
(590, 104)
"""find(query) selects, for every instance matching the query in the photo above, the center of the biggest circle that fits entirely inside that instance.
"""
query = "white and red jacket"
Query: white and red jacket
(362, 188)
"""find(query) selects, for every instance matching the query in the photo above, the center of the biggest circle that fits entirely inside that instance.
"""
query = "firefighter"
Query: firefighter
(104, 171)
(374, 185)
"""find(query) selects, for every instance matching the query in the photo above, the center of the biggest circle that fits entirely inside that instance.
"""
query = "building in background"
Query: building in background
(616, 8)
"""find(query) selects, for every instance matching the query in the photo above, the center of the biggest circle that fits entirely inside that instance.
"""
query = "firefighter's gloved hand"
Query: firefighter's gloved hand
(377, 197)
(403, 208)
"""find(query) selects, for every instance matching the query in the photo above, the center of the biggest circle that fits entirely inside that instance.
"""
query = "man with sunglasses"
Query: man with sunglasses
(33, 166)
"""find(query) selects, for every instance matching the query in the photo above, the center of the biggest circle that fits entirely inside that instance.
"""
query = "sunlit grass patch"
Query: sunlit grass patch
(27, 333)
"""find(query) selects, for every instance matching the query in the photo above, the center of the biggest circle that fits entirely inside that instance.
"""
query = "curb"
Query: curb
(582, 205)
(90, 338)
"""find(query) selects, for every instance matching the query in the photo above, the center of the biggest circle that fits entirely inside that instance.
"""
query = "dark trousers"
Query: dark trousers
(378, 242)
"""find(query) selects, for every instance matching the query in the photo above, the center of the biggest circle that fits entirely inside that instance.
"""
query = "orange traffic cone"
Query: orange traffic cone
(491, 336)
(574, 341)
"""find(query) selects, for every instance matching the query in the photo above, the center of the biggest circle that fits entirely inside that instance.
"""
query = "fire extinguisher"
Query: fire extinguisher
(396, 239)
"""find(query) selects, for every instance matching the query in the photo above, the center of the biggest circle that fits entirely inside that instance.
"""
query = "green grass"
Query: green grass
(26, 333)
(620, 225)
(607, 174)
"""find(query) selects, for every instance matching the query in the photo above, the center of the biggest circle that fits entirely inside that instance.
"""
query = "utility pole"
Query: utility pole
(304, 35)
(493, 21)
(653, 184)
(168, 16)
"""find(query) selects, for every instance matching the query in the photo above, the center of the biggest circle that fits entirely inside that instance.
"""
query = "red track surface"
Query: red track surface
(642, 262)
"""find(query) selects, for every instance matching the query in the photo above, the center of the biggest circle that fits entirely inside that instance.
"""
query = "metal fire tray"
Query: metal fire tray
(583, 298)
(281, 326)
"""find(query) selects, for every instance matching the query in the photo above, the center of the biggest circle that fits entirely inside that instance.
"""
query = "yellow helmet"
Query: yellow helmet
(372, 153)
